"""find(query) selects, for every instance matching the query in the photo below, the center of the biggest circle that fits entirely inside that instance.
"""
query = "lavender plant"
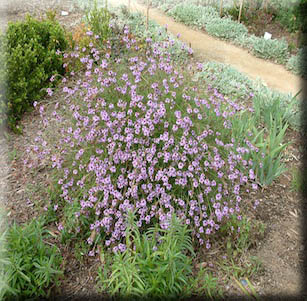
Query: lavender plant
(135, 135)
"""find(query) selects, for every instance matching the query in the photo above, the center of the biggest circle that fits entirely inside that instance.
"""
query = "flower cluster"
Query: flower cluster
(140, 139)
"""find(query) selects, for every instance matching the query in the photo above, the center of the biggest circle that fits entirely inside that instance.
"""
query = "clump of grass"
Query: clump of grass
(152, 265)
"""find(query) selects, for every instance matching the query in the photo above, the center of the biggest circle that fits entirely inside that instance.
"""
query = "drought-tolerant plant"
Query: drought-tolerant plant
(192, 14)
(226, 28)
(205, 284)
(287, 14)
(227, 80)
(30, 61)
(34, 265)
(268, 145)
(3, 83)
(4, 258)
(155, 264)
(242, 236)
(137, 136)
(274, 49)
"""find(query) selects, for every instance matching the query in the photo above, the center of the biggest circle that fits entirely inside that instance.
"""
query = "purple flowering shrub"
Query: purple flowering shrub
(137, 136)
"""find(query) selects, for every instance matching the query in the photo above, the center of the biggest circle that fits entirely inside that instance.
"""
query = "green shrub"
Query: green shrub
(287, 13)
(226, 28)
(34, 266)
(288, 18)
(301, 15)
(31, 59)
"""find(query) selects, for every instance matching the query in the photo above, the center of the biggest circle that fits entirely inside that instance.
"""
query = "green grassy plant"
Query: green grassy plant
(267, 161)
(284, 108)
(98, 19)
(4, 258)
(269, 147)
(34, 265)
(150, 266)
(206, 285)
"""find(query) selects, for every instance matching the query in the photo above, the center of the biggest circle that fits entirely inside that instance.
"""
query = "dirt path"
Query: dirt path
(208, 48)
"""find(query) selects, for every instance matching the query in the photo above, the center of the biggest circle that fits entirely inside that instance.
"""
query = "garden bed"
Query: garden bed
(285, 46)
(29, 194)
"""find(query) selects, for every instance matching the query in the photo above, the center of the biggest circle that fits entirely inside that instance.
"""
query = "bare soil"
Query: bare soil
(280, 250)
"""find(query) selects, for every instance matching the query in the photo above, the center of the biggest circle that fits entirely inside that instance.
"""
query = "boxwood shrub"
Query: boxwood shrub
(29, 60)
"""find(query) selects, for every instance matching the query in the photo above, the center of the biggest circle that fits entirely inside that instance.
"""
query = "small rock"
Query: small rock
(64, 13)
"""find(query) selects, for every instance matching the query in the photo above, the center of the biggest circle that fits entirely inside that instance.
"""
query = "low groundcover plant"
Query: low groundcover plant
(135, 136)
